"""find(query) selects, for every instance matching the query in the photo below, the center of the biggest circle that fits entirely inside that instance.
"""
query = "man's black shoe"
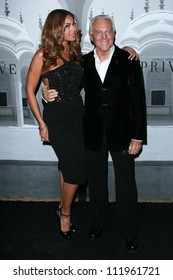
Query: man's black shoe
(94, 234)
(132, 244)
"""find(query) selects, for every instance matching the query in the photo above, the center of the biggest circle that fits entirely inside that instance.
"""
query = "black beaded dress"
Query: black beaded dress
(64, 119)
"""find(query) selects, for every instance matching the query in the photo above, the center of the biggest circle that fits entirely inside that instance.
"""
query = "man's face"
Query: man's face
(102, 35)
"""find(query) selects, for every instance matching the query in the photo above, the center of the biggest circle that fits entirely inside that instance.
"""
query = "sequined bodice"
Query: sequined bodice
(66, 80)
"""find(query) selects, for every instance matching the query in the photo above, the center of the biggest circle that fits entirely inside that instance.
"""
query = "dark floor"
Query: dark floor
(29, 230)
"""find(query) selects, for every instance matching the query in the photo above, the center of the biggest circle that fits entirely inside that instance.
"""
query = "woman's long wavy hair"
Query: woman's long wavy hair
(52, 39)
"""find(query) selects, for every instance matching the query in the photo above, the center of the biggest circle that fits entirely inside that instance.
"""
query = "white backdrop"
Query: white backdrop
(23, 143)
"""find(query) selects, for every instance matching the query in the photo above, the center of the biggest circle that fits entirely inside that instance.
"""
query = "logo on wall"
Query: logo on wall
(10, 67)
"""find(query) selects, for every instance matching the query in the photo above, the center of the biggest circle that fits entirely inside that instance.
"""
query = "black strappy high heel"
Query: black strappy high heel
(58, 211)
(66, 234)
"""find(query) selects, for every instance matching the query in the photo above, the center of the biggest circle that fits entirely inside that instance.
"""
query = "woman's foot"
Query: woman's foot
(58, 211)
(65, 225)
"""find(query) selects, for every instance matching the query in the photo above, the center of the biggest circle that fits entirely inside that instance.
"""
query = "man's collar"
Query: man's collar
(110, 53)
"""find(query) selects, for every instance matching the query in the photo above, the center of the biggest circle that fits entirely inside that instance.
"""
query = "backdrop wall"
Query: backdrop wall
(148, 27)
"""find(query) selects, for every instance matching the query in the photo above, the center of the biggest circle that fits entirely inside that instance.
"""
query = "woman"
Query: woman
(57, 63)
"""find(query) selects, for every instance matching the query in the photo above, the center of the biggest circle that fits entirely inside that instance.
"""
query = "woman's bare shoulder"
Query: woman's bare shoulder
(39, 52)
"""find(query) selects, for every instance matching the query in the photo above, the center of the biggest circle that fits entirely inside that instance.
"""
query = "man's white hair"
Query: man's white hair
(101, 17)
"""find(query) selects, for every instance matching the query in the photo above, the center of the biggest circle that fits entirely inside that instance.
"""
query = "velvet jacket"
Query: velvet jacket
(118, 103)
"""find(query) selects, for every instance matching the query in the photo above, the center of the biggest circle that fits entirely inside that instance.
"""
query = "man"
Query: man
(115, 123)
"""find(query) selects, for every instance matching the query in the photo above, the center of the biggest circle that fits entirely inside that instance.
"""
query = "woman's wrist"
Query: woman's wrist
(42, 127)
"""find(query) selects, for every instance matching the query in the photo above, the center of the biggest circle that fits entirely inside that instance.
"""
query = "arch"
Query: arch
(149, 28)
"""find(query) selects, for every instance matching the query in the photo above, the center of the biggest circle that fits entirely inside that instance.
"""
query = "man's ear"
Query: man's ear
(115, 37)
(91, 38)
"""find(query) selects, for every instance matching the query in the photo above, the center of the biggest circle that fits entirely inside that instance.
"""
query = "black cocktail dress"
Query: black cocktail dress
(64, 119)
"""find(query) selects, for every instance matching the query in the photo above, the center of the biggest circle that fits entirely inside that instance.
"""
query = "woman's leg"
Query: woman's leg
(68, 193)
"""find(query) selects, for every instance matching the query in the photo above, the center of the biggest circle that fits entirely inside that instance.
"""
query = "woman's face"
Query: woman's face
(70, 29)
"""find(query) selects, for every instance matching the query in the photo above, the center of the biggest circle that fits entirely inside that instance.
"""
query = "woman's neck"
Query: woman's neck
(65, 52)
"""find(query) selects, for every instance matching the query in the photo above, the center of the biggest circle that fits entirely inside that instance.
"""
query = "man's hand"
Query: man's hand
(132, 52)
(135, 147)
(49, 95)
